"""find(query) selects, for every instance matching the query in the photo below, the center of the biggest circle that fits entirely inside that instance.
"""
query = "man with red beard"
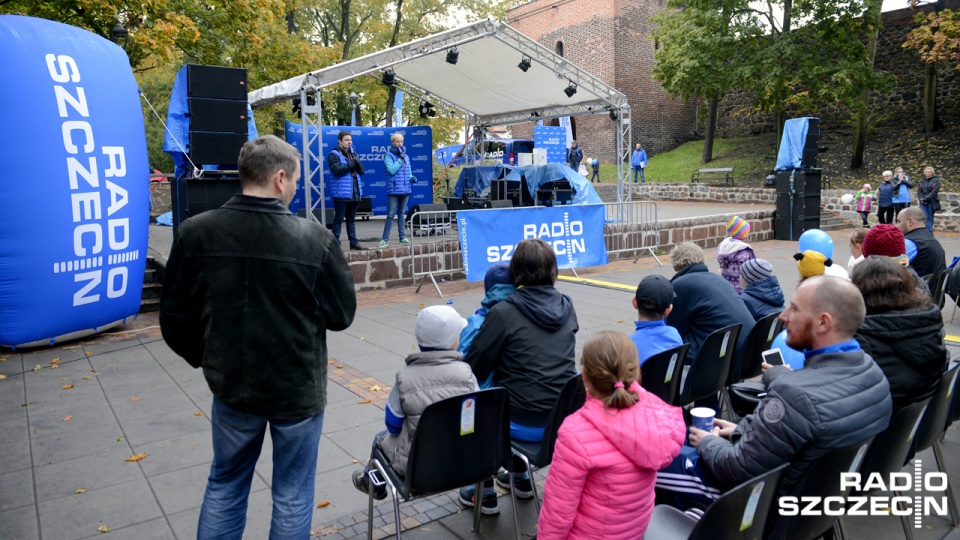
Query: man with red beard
(838, 399)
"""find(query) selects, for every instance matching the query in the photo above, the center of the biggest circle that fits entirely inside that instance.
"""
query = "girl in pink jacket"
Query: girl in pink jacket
(600, 483)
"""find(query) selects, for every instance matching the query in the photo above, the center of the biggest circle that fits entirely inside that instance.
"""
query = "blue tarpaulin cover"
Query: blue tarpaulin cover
(478, 178)
(791, 144)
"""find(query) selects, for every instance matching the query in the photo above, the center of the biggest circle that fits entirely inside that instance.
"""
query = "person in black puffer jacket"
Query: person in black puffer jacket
(903, 330)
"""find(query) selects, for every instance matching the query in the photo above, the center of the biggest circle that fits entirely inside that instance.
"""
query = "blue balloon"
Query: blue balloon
(74, 195)
(817, 240)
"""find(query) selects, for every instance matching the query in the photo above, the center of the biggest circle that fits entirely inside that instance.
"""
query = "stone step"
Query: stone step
(152, 286)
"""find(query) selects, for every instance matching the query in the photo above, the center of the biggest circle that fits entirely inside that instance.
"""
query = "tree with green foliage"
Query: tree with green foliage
(936, 39)
(790, 54)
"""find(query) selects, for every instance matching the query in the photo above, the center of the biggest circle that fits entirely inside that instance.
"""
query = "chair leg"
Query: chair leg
(516, 509)
(906, 522)
(477, 503)
(533, 482)
(955, 302)
(951, 501)
(376, 482)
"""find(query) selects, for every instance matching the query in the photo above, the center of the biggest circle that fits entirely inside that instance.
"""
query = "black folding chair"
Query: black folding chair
(890, 449)
(449, 451)
(938, 288)
(538, 455)
(709, 370)
(931, 429)
(820, 479)
(661, 373)
(759, 341)
(739, 514)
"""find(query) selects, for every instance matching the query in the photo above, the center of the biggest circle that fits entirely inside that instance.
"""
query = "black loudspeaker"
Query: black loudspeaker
(217, 102)
(498, 190)
(808, 158)
(425, 208)
(454, 204)
(801, 212)
(218, 115)
(190, 196)
(498, 204)
(207, 148)
(218, 82)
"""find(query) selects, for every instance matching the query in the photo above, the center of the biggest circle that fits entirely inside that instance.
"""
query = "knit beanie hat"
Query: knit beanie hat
(755, 270)
(497, 274)
(810, 263)
(884, 239)
(738, 228)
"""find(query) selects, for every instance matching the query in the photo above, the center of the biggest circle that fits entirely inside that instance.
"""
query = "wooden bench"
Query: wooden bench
(721, 173)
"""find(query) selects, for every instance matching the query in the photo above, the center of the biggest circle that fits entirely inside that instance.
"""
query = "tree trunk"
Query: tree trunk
(860, 137)
(930, 123)
(711, 131)
(779, 117)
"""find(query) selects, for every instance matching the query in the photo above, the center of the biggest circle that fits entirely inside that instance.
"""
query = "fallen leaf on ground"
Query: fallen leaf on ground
(120, 438)
(421, 306)
(55, 361)
(364, 401)
(198, 413)
(80, 490)
(362, 338)
(375, 388)
(620, 321)
(324, 530)
(86, 378)
(67, 418)
(323, 504)
(67, 386)
(89, 353)
(23, 404)
(356, 461)
(339, 366)
(103, 528)
(2, 377)
(137, 457)
(3, 358)
(37, 367)
(54, 367)
(136, 398)
(332, 362)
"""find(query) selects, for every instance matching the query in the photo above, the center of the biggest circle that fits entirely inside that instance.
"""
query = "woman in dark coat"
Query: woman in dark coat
(903, 330)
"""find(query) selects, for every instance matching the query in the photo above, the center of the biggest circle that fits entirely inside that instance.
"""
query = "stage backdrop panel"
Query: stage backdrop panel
(371, 144)
(74, 191)
(490, 236)
(554, 140)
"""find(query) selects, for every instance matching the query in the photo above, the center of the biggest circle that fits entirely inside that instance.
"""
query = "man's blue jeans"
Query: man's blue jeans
(345, 209)
(237, 440)
(928, 213)
(396, 206)
(636, 169)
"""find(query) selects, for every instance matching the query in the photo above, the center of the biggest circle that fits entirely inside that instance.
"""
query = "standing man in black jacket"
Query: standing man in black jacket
(249, 293)
(929, 257)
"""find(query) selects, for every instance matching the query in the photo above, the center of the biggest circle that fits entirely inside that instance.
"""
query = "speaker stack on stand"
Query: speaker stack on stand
(798, 191)
(217, 110)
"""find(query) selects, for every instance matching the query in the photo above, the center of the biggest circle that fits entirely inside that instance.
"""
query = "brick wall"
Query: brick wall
(610, 40)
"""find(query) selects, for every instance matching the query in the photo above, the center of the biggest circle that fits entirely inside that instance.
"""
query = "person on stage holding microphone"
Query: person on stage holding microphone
(347, 187)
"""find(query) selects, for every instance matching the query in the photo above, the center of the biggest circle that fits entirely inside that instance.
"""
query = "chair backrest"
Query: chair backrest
(938, 287)
(821, 479)
(661, 373)
(709, 370)
(460, 441)
(759, 340)
(741, 513)
(572, 397)
(934, 420)
(890, 448)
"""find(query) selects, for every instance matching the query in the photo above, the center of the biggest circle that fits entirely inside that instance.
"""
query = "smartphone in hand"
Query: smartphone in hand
(773, 357)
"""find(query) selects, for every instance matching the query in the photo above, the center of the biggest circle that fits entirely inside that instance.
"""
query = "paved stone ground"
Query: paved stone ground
(72, 416)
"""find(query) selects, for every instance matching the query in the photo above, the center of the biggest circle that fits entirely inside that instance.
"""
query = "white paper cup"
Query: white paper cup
(703, 417)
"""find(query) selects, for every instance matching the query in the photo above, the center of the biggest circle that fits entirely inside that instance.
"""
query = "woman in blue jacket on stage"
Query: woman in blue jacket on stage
(399, 181)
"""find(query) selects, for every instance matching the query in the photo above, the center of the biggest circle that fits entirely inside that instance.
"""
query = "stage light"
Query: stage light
(571, 89)
(524, 64)
(452, 56)
(613, 115)
(426, 110)
(388, 77)
(296, 107)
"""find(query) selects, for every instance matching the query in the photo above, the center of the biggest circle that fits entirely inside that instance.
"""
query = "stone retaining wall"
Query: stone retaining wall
(948, 219)
(393, 266)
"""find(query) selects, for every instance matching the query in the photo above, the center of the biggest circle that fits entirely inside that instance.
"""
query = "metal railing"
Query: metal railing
(630, 227)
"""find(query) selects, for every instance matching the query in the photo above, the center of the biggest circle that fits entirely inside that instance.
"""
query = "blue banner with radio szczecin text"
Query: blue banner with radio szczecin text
(490, 236)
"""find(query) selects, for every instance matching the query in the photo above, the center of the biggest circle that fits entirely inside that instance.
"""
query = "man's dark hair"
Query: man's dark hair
(647, 315)
(341, 135)
(533, 263)
(887, 285)
(262, 157)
